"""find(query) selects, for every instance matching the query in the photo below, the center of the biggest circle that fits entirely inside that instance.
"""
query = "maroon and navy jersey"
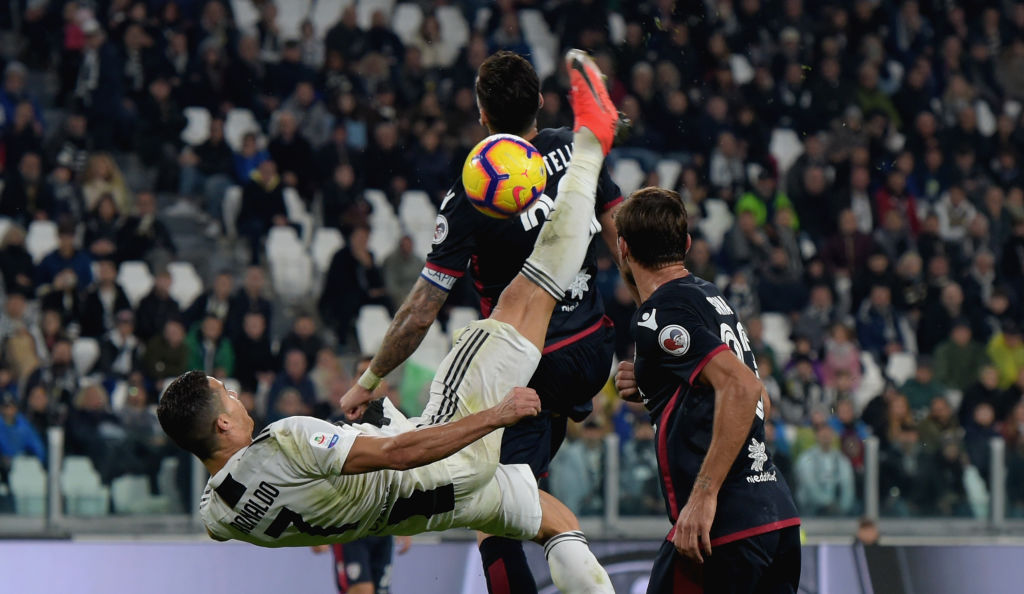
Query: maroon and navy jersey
(494, 250)
(683, 325)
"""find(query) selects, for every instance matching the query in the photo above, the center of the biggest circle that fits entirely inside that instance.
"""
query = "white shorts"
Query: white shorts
(488, 360)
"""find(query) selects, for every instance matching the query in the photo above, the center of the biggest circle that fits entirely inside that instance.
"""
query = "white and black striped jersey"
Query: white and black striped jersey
(286, 489)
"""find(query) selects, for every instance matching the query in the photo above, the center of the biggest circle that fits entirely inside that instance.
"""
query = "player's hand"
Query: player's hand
(693, 529)
(519, 403)
(353, 403)
(625, 382)
(404, 542)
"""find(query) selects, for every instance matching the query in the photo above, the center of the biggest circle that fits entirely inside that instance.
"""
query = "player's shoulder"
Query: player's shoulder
(687, 292)
(317, 431)
(549, 138)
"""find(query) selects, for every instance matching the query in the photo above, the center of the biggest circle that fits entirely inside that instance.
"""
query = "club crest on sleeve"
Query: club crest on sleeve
(323, 440)
(674, 340)
(440, 229)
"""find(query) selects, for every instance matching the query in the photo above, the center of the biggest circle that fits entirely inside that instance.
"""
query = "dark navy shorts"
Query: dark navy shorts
(764, 564)
(367, 560)
(566, 381)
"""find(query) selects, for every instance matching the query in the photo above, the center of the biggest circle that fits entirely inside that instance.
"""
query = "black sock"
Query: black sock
(505, 566)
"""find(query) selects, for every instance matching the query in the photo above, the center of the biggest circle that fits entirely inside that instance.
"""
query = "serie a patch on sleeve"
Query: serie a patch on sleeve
(323, 440)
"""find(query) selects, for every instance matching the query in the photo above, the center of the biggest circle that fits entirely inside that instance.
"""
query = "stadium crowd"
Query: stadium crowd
(852, 170)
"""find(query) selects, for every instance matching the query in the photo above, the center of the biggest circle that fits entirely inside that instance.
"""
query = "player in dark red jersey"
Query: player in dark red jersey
(580, 340)
(736, 527)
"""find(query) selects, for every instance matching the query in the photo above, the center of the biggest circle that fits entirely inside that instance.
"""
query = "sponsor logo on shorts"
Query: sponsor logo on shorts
(323, 440)
(353, 570)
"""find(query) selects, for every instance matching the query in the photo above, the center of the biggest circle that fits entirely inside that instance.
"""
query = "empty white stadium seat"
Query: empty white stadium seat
(454, 29)
(717, 223)
(433, 349)
(406, 21)
(245, 14)
(459, 317)
(775, 333)
(786, 147)
(298, 213)
(167, 483)
(326, 242)
(290, 14)
(628, 175)
(418, 217)
(85, 352)
(386, 229)
(131, 494)
(282, 240)
(616, 28)
(27, 481)
(372, 323)
(185, 283)
(5, 225)
(900, 367)
(84, 494)
(541, 40)
(197, 128)
(291, 273)
(136, 280)
(238, 123)
(232, 206)
(41, 239)
(668, 172)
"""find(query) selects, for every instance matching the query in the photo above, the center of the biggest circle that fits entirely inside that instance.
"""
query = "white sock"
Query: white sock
(574, 569)
(562, 245)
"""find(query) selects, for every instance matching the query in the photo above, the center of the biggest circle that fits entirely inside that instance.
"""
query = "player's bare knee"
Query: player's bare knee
(556, 518)
(361, 588)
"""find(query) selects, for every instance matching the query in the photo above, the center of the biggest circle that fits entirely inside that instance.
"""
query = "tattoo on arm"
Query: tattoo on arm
(410, 325)
(703, 482)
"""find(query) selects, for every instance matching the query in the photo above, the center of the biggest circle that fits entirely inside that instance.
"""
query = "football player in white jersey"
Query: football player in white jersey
(303, 481)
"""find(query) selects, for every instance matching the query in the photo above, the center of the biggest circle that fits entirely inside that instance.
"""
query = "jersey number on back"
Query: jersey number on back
(739, 343)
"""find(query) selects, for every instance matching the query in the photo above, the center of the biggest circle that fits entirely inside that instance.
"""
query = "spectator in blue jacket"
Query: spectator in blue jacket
(17, 436)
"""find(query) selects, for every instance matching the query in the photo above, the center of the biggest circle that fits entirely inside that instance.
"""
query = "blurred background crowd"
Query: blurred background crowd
(249, 187)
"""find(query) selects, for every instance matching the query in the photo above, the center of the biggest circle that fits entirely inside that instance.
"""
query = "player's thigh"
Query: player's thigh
(508, 505)
(568, 379)
(529, 442)
(738, 567)
(381, 556)
(488, 360)
(673, 573)
(783, 574)
(355, 567)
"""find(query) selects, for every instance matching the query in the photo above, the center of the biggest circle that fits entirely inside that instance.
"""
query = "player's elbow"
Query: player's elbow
(745, 387)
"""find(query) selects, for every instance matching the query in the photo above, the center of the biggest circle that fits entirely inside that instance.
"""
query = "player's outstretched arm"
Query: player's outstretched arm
(430, 444)
(403, 336)
(737, 391)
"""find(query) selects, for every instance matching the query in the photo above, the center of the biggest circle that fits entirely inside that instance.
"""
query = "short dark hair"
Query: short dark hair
(654, 224)
(187, 412)
(508, 90)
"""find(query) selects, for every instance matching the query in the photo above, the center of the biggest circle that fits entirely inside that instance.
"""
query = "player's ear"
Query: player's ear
(540, 101)
(223, 423)
(623, 248)
(689, 240)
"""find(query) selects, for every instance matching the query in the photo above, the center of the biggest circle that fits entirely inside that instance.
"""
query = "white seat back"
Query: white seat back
(136, 280)
(41, 239)
(186, 284)
(372, 323)
(406, 21)
(197, 128)
(627, 175)
(85, 352)
(326, 242)
(385, 225)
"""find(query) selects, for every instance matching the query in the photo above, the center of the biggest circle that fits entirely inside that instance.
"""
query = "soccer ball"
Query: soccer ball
(503, 175)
